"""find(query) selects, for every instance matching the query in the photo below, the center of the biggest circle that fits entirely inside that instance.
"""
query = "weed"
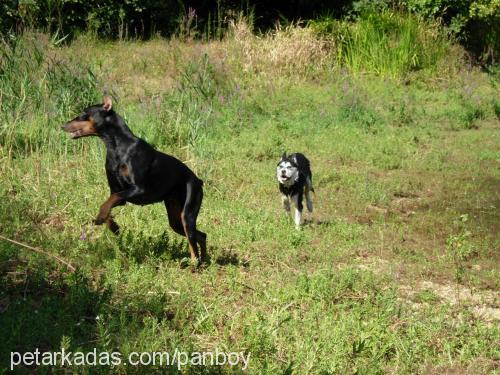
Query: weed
(31, 83)
(460, 250)
(470, 115)
(355, 111)
(426, 296)
(496, 108)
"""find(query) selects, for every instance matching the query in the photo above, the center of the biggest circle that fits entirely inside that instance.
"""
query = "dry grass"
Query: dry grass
(288, 51)
(141, 70)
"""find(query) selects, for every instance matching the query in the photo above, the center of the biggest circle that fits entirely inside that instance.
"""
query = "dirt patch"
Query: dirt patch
(478, 367)
(55, 221)
(376, 265)
(485, 305)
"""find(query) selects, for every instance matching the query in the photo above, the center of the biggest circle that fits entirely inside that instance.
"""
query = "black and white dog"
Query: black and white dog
(295, 179)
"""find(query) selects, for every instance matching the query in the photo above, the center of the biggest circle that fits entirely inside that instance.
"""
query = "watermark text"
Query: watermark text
(177, 358)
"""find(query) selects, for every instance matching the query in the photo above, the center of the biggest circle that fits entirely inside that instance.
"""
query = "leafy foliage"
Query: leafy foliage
(108, 18)
(475, 22)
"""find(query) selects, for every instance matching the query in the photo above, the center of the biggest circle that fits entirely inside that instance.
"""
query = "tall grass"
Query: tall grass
(289, 51)
(39, 80)
(183, 114)
(386, 43)
(38, 92)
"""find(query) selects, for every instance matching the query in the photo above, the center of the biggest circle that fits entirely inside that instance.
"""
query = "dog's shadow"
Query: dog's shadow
(168, 246)
(228, 258)
(140, 246)
(317, 222)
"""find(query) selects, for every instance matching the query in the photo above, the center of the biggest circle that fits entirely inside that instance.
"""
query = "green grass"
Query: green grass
(389, 43)
(406, 178)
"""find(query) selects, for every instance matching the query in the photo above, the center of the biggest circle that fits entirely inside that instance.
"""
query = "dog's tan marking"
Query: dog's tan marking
(106, 207)
(124, 171)
(82, 128)
(107, 102)
(202, 243)
(192, 246)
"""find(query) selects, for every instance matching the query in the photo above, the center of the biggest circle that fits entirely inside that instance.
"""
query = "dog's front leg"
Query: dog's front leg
(114, 200)
(113, 227)
(286, 202)
(104, 211)
(297, 202)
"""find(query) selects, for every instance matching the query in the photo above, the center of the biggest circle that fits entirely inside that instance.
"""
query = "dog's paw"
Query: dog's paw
(193, 262)
(113, 227)
(184, 262)
(99, 220)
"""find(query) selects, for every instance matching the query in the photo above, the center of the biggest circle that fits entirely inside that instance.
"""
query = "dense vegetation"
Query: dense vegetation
(395, 272)
(474, 23)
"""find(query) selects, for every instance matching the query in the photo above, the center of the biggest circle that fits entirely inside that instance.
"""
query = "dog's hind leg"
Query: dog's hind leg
(174, 212)
(308, 189)
(201, 237)
(297, 201)
(194, 196)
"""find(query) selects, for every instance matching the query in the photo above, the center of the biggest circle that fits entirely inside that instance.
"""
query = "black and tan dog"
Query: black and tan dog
(139, 174)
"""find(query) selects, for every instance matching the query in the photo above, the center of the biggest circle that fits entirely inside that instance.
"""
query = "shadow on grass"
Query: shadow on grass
(230, 258)
(41, 307)
(227, 258)
(317, 222)
(139, 246)
(168, 245)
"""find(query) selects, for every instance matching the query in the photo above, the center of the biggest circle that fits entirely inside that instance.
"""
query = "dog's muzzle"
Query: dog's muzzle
(77, 129)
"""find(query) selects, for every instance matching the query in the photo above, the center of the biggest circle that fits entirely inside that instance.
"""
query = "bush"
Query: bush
(476, 23)
(385, 42)
(109, 18)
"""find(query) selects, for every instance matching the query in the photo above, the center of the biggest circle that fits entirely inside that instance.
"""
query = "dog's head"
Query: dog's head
(287, 171)
(94, 120)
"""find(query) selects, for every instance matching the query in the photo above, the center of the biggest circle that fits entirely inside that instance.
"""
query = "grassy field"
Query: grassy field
(396, 271)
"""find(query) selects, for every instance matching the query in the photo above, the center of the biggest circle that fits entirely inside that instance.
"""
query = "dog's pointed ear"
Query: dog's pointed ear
(283, 157)
(107, 103)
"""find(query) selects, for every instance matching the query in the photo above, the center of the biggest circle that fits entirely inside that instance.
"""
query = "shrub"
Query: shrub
(474, 22)
(390, 44)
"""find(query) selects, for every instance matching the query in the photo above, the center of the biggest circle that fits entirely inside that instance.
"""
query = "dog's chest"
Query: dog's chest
(290, 190)
(123, 171)
(120, 169)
